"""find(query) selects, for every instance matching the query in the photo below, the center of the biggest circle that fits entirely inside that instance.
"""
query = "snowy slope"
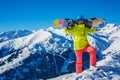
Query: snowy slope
(49, 53)
(20, 43)
(37, 54)
(110, 65)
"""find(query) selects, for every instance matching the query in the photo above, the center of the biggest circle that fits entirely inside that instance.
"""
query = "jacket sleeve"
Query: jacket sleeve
(90, 31)
(67, 31)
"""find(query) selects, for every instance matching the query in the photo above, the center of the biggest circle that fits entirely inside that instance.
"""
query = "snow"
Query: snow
(4, 36)
(15, 62)
(106, 41)
(110, 65)
(31, 39)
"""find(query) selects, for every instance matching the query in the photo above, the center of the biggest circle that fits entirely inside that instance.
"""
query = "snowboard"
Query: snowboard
(60, 23)
(96, 22)
(91, 22)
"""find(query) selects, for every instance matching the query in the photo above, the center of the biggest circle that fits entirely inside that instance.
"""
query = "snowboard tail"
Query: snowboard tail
(97, 22)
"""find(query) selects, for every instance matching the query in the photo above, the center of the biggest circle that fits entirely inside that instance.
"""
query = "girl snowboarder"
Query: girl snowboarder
(79, 33)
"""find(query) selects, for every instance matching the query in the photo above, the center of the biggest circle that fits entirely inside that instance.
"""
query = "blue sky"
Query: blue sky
(37, 14)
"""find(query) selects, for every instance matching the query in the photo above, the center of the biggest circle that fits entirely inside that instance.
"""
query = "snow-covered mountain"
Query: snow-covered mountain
(4, 36)
(41, 54)
(49, 53)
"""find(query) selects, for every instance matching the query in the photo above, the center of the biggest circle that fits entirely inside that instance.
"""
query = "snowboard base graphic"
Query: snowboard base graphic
(91, 22)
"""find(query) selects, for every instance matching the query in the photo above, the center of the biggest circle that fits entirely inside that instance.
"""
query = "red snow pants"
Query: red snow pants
(78, 53)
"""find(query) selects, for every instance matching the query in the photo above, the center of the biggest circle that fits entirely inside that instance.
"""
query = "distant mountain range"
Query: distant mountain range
(47, 53)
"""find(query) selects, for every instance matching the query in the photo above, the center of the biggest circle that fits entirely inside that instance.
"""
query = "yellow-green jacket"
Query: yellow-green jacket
(79, 34)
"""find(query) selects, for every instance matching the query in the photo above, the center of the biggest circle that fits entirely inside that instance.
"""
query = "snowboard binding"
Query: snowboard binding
(69, 23)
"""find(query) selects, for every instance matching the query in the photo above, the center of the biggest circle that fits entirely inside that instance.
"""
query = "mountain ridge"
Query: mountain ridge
(48, 53)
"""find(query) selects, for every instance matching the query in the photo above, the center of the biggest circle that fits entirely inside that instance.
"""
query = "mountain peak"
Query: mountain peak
(45, 53)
